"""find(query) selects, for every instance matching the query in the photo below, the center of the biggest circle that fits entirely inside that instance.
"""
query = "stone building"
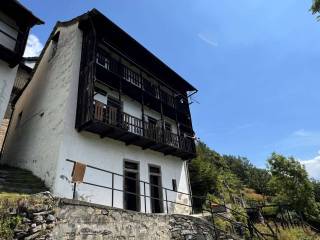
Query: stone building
(105, 121)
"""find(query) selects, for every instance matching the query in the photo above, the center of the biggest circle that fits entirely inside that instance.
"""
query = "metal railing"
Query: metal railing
(114, 117)
(236, 228)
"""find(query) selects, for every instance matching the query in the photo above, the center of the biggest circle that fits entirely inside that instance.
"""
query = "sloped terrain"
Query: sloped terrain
(14, 180)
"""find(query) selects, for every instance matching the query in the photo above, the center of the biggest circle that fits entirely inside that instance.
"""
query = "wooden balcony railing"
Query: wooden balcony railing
(154, 132)
(135, 78)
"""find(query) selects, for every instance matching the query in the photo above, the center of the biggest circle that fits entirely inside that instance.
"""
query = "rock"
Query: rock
(36, 229)
(39, 228)
(51, 218)
(38, 218)
(33, 225)
(33, 236)
(20, 235)
(42, 213)
(25, 220)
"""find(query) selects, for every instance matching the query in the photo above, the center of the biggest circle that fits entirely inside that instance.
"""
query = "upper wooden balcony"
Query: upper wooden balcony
(114, 73)
(111, 122)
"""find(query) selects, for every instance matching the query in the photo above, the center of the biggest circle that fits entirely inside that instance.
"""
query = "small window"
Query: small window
(131, 166)
(54, 42)
(155, 170)
(174, 185)
(19, 120)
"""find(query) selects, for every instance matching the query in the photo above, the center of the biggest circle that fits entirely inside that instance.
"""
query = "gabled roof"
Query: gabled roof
(121, 40)
(16, 10)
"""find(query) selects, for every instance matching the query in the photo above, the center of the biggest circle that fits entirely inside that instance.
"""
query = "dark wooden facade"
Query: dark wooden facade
(168, 98)
(24, 20)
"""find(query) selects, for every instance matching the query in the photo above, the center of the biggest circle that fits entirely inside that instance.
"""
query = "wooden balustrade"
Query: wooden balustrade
(135, 78)
(113, 116)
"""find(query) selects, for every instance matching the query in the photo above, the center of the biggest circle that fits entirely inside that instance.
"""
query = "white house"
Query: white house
(15, 23)
(103, 120)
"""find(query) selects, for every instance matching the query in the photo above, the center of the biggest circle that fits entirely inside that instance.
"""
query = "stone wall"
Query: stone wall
(3, 130)
(47, 218)
(80, 220)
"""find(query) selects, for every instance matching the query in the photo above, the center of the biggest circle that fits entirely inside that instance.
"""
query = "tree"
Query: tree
(203, 171)
(250, 175)
(291, 185)
(315, 8)
(316, 187)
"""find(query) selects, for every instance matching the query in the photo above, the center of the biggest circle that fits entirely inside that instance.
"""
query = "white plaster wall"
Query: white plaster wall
(34, 143)
(7, 77)
(46, 135)
(109, 154)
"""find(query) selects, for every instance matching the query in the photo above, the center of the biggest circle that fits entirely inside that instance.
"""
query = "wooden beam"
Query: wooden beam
(105, 133)
(144, 147)
(132, 140)
(169, 152)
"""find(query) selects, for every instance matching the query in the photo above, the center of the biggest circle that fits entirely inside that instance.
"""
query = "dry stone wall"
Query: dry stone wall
(48, 218)
(79, 220)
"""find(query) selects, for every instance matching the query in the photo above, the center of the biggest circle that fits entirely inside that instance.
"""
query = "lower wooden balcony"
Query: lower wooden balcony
(110, 122)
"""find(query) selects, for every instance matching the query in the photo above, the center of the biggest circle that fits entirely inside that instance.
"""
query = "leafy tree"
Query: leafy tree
(250, 175)
(203, 171)
(291, 185)
(316, 187)
(315, 8)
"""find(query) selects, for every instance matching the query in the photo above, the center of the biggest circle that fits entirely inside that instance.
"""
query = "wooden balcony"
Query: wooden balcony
(111, 72)
(110, 122)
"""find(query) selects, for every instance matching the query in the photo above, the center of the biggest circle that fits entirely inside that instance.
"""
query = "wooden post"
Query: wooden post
(142, 104)
(161, 111)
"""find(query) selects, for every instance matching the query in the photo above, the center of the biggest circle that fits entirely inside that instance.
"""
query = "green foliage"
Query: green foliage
(7, 225)
(291, 185)
(316, 188)
(297, 233)
(203, 171)
(315, 8)
(250, 175)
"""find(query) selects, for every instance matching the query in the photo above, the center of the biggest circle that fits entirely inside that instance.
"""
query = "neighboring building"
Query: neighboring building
(15, 23)
(101, 99)
(21, 80)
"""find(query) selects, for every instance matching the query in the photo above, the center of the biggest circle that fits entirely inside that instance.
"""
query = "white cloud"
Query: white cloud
(207, 40)
(34, 46)
(313, 166)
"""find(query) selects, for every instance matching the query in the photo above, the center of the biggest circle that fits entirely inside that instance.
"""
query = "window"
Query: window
(19, 120)
(54, 43)
(131, 186)
(174, 185)
(155, 189)
(103, 61)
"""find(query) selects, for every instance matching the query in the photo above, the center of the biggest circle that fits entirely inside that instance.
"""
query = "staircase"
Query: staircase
(15, 180)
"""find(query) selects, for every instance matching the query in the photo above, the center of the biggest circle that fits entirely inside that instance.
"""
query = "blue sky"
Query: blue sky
(255, 63)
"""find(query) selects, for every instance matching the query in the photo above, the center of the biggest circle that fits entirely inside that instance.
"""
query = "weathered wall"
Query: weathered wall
(45, 136)
(3, 130)
(109, 154)
(78, 220)
(7, 77)
(34, 139)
